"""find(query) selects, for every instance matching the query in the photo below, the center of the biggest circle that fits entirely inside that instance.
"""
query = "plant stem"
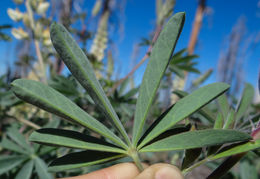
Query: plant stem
(134, 155)
(26, 122)
(138, 162)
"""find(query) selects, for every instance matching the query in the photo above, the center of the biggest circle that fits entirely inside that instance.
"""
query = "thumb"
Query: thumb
(161, 171)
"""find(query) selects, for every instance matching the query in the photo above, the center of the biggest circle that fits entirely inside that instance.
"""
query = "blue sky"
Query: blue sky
(139, 21)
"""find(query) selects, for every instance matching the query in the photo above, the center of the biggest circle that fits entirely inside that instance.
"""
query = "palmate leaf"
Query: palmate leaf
(196, 139)
(185, 107)
(80, 67)
(72, 139)
(47, 98)
(82, 159)
(160, 56)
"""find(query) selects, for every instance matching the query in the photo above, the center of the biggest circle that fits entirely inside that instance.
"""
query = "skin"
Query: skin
(129, 171)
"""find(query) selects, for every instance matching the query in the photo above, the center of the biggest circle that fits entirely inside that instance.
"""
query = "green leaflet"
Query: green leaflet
(223, 105)
(230, 120)
(225, 166)
(219, 121)
(251, 145)
(196, 139)
(185, 107)
(82, 159)
(47, 98)
(16, 136)
(41, 169)
(203, 77)
(190, 156)
(246, 99)
(26, 171)
(156, 67)
(9, 162)
(9, 145)
(73, 139)
(206, 112)
(80, 67)
(247, 170)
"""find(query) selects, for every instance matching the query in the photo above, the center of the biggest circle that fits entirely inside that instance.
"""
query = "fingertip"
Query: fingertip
(161, 171)
(122, 170)
(168, 172)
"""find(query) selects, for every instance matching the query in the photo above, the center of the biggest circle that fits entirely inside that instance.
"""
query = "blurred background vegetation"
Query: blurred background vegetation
(101, 29)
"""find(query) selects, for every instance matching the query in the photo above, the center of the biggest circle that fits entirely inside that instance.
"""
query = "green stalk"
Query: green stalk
(134, 155)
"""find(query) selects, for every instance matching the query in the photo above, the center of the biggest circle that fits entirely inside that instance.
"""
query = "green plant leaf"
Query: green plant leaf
(225, 166)
(177, 129)
(47, 98)
(219, 122)
(80, 67)
(42, 169)
(82, 159)
(131, 93)
(183, 60)
(190, 156)
(9, 162)
(8, 144)
(196, 139)
(155, 123)
(245, 101)
(160, 56)
(45, 150)
(248, 170)
(185, 107)
(15, 135)
(26, 171)
(248, 146)
(178, 55)
(229, 123)
(205, 112)
(177, 71)
(73, 139)
(188, 68)
(223, 105)
(202, 78)
(123, 87)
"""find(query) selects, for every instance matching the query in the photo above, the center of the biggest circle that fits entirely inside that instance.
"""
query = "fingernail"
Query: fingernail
(167, 173)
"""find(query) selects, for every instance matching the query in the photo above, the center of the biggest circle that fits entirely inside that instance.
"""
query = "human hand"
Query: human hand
(130, 171)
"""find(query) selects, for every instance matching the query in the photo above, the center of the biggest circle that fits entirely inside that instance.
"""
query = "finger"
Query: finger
(161, 171)
(123, 170)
